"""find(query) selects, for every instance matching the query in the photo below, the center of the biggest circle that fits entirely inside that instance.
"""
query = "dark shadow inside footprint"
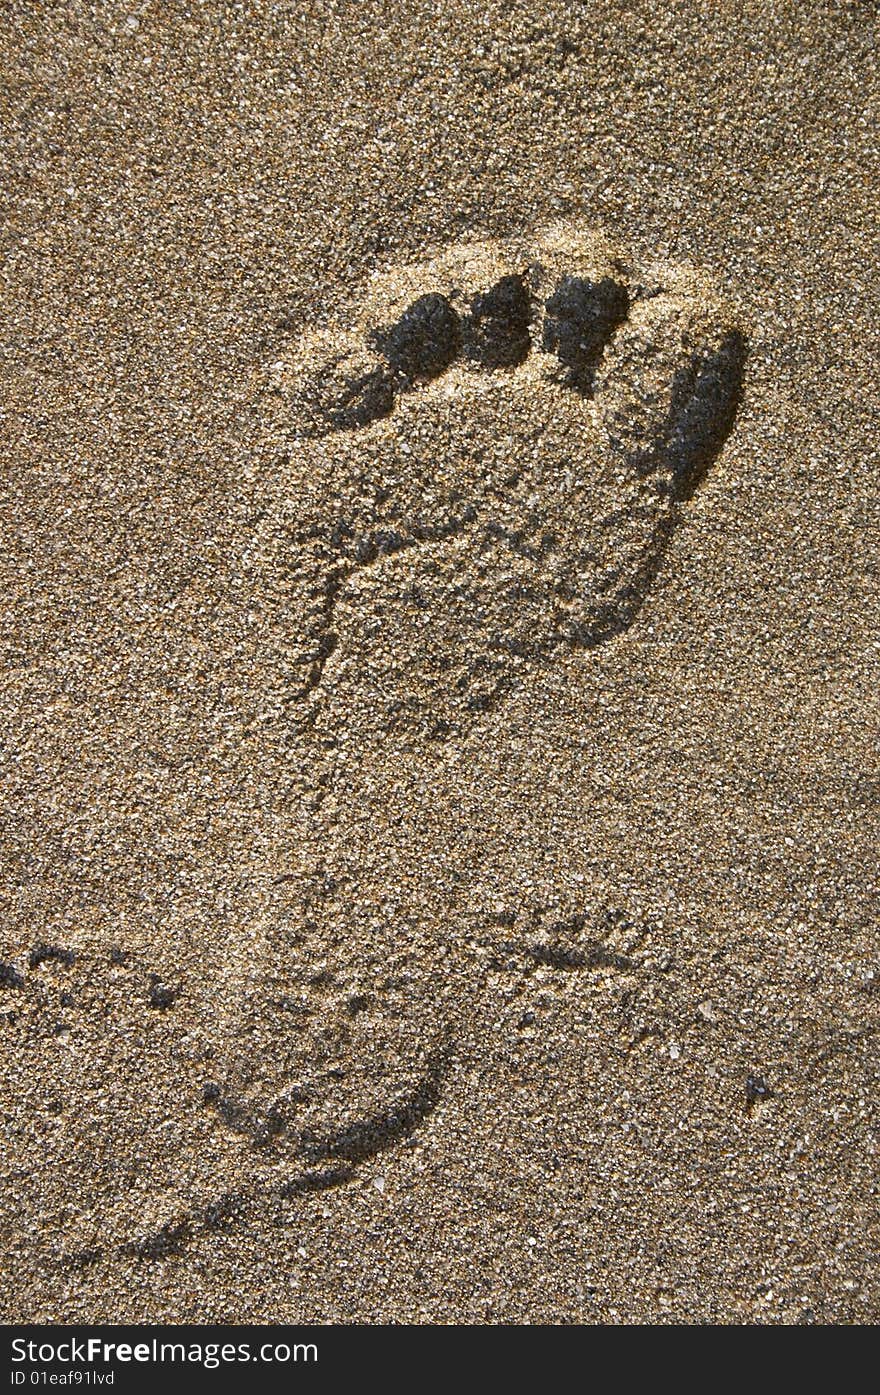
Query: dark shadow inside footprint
(496, 333)
(421, 345)
(362, 400)
(171, 1239)
(581, 317)
(594, 956)
(363, 1138)
(703, 406)
(705, 399)
(317, 1181)
(424, 341)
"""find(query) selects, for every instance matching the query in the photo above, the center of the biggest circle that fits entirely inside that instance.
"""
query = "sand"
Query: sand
(440, 815)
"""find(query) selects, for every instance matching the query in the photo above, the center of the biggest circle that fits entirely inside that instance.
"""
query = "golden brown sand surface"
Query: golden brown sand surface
(440, 747)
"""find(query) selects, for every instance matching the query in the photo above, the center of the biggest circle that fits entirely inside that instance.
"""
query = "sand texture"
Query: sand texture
(441, 659)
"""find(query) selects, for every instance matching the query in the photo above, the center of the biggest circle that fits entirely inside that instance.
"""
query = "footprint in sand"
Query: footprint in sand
(491, 454)
(499, 447)
(488, 457)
